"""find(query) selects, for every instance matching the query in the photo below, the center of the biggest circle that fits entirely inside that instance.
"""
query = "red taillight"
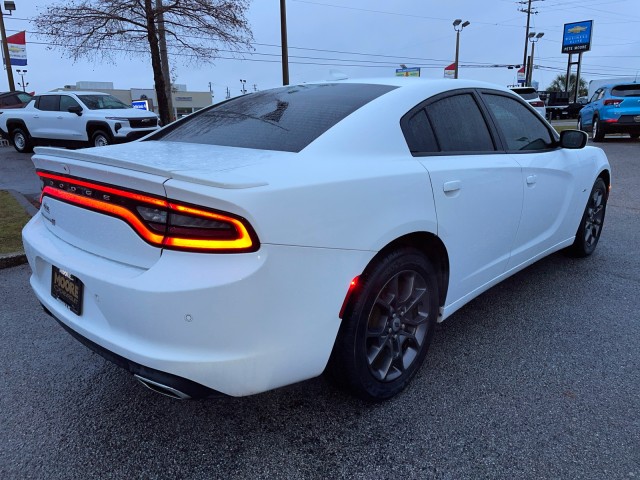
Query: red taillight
(160, 222)
(613, 101)
(537, 104)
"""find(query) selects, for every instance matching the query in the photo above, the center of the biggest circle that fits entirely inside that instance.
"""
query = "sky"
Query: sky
(366, 38)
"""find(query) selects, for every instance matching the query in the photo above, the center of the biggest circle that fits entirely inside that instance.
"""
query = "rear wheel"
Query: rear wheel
(387, 329)
(592, 221)
(100, 139)
(598, 134)
(21, 140)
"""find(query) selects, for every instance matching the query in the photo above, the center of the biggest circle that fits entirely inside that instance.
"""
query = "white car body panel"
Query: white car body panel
(245, 323)
(475, 198)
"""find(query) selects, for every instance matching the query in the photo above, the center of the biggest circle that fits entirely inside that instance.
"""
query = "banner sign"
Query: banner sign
(450, 71)
(408, 72)
(576, 37)
(18, 49)
(521, 76)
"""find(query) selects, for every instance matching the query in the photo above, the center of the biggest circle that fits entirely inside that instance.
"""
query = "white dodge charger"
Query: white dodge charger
(322, 226)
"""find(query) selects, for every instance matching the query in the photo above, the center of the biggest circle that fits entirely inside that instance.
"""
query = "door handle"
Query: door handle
(532, 179)
(59, 116)
(452, 186)
(36, 116)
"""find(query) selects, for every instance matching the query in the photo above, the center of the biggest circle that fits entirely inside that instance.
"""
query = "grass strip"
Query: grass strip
(12, 219)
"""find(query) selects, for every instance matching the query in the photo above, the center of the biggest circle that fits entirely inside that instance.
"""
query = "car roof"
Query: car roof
(623, 84)
(74, 92)
(425, 87)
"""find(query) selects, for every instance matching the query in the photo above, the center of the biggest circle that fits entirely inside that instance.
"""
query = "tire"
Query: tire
(580, 127)
(592, 221)
(598, 135)
(21, 140)
(100, 138)
(387, 327)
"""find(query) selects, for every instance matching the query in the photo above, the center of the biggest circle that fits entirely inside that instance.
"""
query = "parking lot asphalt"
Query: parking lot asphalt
(538, 378)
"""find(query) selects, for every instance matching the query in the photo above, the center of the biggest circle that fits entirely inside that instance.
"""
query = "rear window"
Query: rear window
(626, 91)
(285, 119)
(527, 93)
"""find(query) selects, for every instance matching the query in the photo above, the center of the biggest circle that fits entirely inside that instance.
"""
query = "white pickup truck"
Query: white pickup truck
(74, 119)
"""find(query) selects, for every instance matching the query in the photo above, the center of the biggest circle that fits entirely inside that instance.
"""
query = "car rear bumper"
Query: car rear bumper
(235, 323)
(620, 126)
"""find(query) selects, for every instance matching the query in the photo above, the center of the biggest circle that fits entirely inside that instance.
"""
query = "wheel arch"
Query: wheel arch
(606, 176)
(17, 122)
(94, 125)
(432, 247)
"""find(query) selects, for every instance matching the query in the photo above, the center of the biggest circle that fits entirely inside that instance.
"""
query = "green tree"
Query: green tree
(558, 85)
(103, 29)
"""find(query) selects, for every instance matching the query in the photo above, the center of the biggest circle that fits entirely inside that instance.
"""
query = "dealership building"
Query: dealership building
(184, 101)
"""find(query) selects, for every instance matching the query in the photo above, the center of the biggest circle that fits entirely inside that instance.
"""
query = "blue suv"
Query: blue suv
(612, 109)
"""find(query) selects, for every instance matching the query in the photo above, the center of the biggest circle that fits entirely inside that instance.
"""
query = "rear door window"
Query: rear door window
(451, 124)
(49, 103)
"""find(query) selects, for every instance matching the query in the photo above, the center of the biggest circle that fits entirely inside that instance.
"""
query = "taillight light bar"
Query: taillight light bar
(158, 221)
(613, 101)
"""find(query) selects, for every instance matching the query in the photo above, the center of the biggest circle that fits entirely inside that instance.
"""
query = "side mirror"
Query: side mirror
(77, 109)
(573, 139)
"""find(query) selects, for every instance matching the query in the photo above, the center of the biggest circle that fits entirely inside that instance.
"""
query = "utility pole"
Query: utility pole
(528, 11)
(283, 35)
(5, 46)
(164, 59)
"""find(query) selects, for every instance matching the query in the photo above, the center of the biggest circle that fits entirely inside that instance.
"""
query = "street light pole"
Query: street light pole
(458, 26)
(10, 6)
(22, 73)
(533, 38)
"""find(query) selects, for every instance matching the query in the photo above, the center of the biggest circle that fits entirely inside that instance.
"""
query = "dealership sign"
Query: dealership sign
(141, 104)
(576, 37)
(408, 72)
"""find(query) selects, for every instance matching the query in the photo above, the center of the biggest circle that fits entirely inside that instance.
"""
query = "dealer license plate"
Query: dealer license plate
(67, 288)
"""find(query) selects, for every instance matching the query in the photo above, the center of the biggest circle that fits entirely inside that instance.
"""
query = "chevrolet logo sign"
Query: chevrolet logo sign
(636, 118)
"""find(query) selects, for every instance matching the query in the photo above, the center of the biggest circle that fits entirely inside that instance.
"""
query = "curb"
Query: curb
(8, 260)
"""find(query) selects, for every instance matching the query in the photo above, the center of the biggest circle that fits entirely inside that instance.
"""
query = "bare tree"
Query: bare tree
(103, 29)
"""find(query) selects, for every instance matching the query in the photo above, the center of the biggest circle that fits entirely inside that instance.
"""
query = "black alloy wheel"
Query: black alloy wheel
(590, 228)
(387, 330)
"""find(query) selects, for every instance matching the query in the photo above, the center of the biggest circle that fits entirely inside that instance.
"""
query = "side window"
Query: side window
(24, 98)
(459, 125)
(419, 134)
(8, 101)
(66, 101)
(522, 129)
(49, 103)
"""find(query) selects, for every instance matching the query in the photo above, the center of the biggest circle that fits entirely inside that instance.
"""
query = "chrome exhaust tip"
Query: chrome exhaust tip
(162, 389)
